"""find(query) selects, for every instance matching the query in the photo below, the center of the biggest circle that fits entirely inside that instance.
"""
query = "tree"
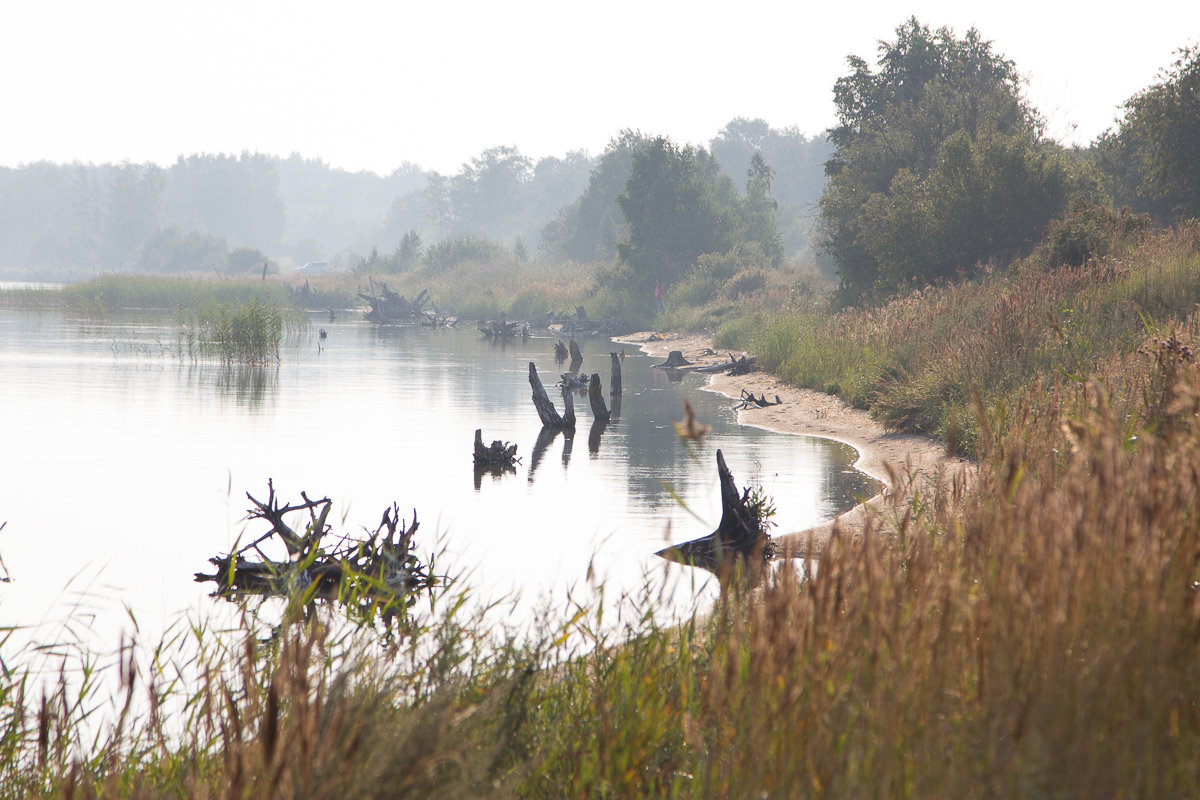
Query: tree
(235, 198)
(759, 210)
(677, 207)
(171, 250)
(1153, 157)
(798, 166)
(939, 165)
(589, 228)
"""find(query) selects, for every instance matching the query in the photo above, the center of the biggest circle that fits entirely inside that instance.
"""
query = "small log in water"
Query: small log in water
(596, 397)
(615, 388)
(546, 410)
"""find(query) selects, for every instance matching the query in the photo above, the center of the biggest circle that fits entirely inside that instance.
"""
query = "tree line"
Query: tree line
(233, 213)
(938, 168)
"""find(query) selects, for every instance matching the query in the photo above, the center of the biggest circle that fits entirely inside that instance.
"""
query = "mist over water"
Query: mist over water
(127, 467)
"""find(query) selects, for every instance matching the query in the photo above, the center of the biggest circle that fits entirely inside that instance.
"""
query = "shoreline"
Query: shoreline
(903, 463)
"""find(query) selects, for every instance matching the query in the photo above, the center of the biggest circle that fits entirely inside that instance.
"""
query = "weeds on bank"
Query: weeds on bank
(913, 361)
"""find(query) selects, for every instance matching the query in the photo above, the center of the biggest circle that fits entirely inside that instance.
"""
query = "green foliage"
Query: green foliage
(241, 333)
(680, 208)
(171, 250)
(457, 250)
(588, 229)
(915, 360)
(116, 292)
(1151, 157)
(249, 260)
(1089, 231)
(798, 166)
(939, 167)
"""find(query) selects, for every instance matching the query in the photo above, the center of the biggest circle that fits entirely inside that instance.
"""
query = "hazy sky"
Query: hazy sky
(369, 85)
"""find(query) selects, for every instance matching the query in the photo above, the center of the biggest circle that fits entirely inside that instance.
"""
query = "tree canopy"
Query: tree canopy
(939, 166)
(1154, 155)
(680, 207)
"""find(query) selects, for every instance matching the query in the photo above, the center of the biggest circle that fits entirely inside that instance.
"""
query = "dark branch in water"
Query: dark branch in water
(370, 577)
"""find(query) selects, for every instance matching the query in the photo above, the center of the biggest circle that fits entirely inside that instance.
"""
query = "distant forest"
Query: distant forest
(235, 213)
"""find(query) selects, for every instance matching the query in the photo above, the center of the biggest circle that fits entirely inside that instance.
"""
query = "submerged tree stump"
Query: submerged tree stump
(498, 455)
(387, 306)
(741, 535)
(545, 409)
(596, 397)
(674, 360)
(615, 379)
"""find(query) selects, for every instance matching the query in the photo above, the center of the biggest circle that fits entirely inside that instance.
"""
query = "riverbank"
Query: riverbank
(904, 463)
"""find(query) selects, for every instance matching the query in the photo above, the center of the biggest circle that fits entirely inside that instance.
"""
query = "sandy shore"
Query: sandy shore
(903, 462)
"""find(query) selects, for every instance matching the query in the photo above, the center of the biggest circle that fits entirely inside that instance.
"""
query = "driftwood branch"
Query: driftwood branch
(750, 401)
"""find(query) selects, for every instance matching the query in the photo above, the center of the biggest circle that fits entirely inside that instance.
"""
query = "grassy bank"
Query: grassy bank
(915, 360)
(111, 293)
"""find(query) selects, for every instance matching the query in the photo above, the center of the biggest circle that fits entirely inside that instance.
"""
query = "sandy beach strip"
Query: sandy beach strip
(904, 463)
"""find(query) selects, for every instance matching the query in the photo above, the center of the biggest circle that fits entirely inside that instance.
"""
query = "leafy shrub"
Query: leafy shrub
(1089, 231)
(456, 250)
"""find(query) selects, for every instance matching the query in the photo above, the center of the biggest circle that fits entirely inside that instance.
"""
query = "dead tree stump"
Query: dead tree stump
(546, 410)
(615, 380)
(740, 536)
(596, 397)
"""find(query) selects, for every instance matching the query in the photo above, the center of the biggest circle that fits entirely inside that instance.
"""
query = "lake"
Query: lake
(126, 466)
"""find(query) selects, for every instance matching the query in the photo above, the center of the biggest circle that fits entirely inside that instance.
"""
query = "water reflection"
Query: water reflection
(248, 385)
(598, 428)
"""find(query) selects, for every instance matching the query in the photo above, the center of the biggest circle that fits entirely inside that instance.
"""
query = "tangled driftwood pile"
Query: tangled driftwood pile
(372, 577)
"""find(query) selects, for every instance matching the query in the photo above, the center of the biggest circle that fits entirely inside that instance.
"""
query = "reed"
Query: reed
(237, 333)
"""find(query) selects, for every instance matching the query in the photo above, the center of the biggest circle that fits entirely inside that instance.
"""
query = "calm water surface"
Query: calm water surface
(125, 467)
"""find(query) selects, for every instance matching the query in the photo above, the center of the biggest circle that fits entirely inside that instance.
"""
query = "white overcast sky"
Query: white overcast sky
(370, 85)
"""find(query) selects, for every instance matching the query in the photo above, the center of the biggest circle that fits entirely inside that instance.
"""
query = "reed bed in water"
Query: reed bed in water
(239, 333)
(1037, 637)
